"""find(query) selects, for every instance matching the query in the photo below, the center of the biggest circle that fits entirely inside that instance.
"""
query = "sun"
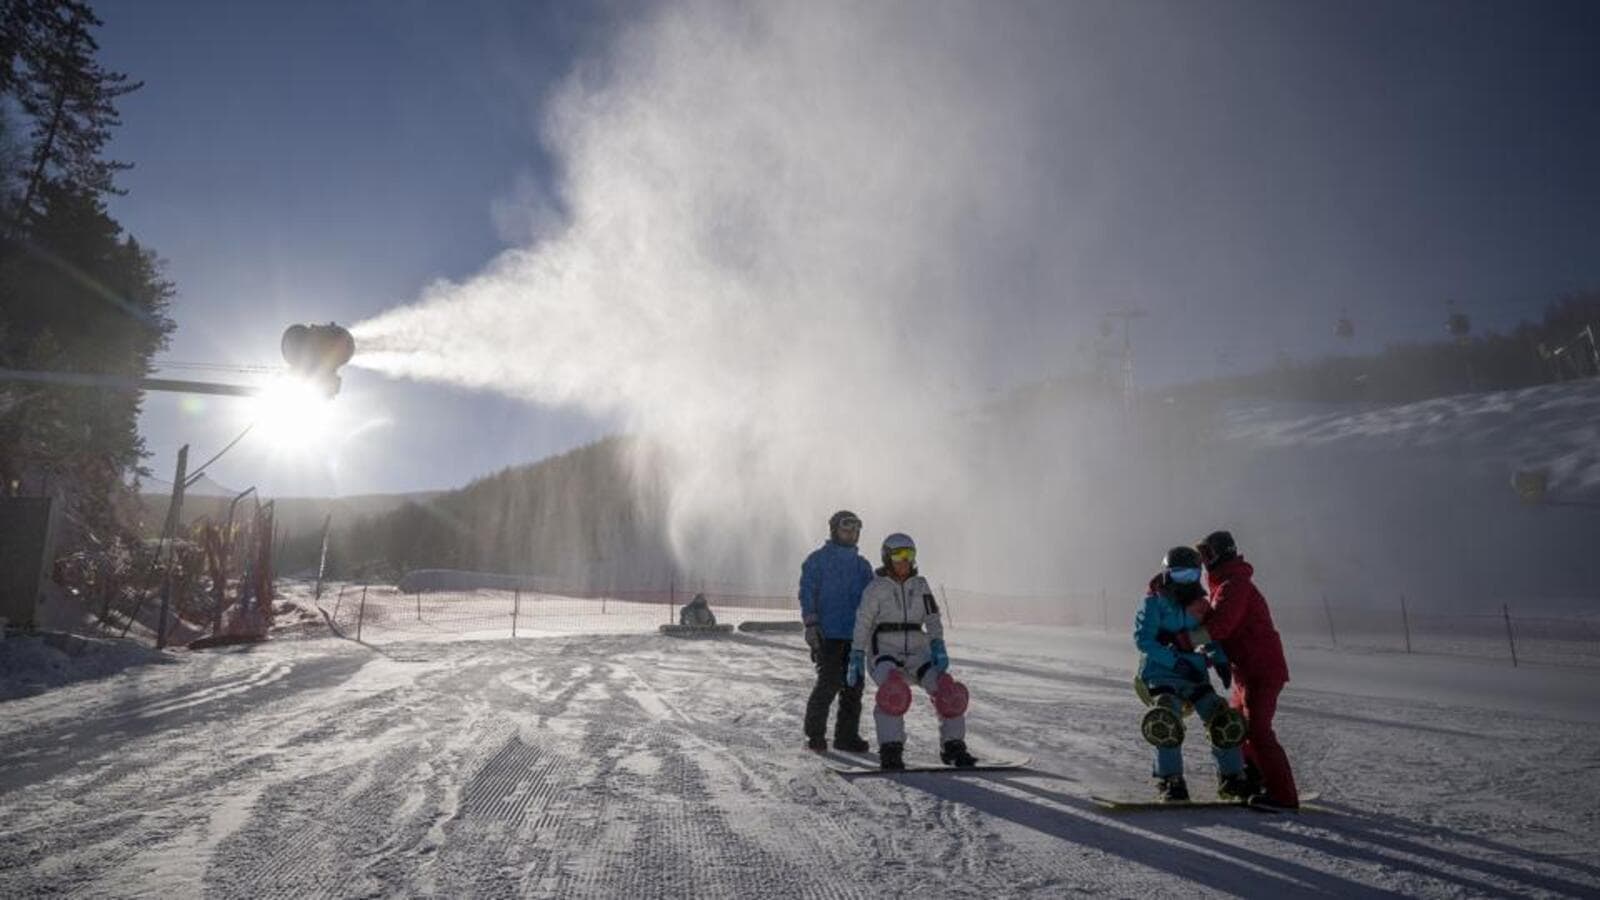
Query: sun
(293, 417)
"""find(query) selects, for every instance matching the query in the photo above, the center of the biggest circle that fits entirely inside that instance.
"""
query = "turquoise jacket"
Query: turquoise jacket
(1159, 629)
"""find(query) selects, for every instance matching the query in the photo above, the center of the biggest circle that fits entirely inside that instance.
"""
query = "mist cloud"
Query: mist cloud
(798, 237)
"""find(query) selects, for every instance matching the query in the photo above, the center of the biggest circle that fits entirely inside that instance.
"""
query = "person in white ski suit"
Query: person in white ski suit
(899, 625)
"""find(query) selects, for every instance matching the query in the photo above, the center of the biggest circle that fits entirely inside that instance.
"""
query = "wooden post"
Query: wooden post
(361, 614)
(1329, 610)
(169, 535)
(1405, 621)
(516, 606)
(1510, 637)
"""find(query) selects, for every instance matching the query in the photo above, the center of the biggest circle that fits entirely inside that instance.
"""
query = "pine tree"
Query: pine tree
(48, 66)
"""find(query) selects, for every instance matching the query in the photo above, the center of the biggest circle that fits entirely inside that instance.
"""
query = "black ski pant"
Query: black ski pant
(832, 659)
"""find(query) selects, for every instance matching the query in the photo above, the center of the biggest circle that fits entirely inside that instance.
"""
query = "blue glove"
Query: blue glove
(941, 658)
(858, 662)
(1190, 665)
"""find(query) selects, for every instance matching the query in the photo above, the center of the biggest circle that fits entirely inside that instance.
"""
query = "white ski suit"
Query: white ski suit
(894, 624)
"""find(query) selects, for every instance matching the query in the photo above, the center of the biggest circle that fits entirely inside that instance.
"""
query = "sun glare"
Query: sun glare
(294, 417)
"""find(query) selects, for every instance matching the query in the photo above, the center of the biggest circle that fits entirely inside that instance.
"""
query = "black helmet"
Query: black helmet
(1217, 547)
(1181, 558)
(838, 521)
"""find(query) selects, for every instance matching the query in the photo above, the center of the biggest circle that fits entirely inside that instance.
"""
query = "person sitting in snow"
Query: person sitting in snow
(696, 613)
(899, 623)
(1239, 620)
(1173, 678)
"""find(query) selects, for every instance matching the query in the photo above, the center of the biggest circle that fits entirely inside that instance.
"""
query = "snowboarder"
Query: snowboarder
(697, 613)
(1240, 621)
(831, 581)
(1173, 678)
(899, 622)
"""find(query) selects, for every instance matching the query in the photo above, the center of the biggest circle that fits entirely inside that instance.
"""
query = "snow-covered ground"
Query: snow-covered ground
(640, 765)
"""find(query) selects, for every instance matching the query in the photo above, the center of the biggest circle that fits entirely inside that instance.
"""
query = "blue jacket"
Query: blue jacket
(831, 581)
(1155, 628)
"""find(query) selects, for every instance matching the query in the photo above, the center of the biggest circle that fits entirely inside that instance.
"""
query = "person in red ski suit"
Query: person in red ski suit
(1240, 621)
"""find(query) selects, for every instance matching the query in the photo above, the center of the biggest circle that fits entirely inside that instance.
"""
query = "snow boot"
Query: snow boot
(1235, 787)
(891, 756)
(955, 754)
(1172, 789)
(817, 744)
(852, 744)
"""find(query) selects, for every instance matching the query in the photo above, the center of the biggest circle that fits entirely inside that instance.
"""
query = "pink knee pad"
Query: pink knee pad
(894, 695)
(949, 697)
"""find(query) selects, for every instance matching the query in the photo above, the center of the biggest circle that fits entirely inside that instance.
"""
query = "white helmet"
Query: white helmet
(898, 541)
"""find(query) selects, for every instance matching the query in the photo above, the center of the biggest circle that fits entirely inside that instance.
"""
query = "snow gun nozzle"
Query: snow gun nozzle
(316, 353)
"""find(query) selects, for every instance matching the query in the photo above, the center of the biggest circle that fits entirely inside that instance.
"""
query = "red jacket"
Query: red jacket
(1242, 624)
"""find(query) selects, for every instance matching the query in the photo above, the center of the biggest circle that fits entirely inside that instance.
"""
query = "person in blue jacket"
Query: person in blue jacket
(1175, 653)
(831, 581)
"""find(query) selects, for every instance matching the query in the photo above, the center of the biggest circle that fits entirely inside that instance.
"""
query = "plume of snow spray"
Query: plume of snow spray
(789, 230)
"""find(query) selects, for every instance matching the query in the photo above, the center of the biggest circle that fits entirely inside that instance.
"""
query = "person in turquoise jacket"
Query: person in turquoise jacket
(1174, 658)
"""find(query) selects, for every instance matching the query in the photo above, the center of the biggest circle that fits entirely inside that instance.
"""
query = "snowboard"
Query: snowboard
(1144, 804)
(754, 626)
(696, 630)
(865, 765)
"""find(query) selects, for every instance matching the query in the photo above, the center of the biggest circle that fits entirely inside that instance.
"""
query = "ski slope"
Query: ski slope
(644, 766)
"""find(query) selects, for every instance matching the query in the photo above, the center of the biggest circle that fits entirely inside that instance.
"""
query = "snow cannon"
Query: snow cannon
(316, 352)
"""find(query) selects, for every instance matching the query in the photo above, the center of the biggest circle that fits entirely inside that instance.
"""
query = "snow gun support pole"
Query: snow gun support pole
(322, 557)
(1510, 637)
(1405, 622)
(121, 382)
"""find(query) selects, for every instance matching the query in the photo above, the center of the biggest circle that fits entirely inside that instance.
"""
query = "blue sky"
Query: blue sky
(1258, 168)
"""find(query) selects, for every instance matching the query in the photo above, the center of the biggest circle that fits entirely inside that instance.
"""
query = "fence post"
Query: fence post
(338, 600)
(1405, 621)
(418, 595)
(516, 606)
(169, 534)
(1329, 610)
(1510, 638)
(361, 614)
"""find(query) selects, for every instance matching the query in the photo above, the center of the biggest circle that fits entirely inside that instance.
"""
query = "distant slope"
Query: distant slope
(584, 516)
(295, 516)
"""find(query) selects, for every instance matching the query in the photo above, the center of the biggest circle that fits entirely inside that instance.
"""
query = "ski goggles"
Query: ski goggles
(849, 524)
(903, 554)
(1184, 576)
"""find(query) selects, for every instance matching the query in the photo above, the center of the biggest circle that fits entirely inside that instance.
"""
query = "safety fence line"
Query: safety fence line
(1504, 634)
